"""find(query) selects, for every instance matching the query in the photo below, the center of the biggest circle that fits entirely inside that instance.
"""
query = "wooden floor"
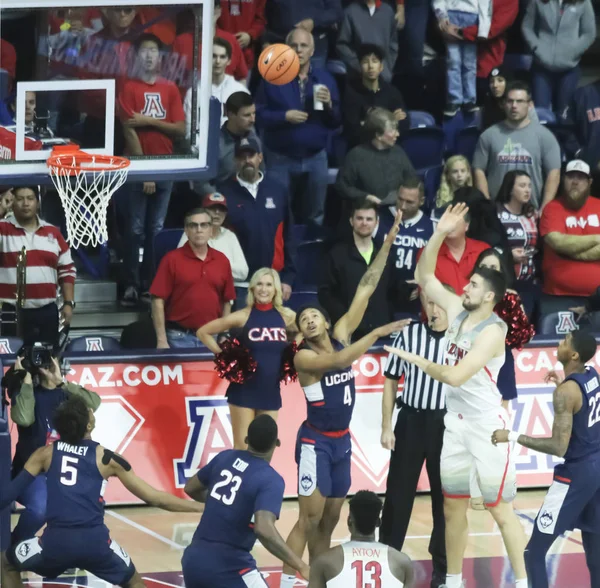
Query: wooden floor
(156, 539)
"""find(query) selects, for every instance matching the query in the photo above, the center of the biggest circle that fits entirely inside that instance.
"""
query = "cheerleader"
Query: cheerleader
(266, 328)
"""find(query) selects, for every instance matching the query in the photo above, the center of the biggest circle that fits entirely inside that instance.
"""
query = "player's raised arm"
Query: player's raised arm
(264, 527)
(489, 344)
(425, 270)
(350, 321)
(306, 360)
(567, 400)
(38, 462)
(119, 467)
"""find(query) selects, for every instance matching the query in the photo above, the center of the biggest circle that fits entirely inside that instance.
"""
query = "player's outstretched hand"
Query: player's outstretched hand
(500, 436)
(552, 377)
(391, 236)
(395, 327)
(401, 353)
(453, 215)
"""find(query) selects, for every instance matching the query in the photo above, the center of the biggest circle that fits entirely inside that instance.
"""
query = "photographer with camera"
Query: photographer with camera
(35, 386)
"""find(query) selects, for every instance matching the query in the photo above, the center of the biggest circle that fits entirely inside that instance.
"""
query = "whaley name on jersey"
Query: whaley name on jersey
(74, 449)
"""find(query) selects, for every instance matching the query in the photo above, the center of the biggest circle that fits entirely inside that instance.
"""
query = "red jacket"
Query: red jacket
(238, 16)
(490, 51)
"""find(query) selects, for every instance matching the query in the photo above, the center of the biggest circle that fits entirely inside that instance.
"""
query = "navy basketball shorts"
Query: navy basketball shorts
(210, 565)
(324, 463)
(60, 549)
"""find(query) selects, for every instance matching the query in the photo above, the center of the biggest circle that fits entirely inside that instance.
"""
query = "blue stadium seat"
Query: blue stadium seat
(300, 298)
(299, 232)
(419, 119)
(336, 67)
(309, 257)
(548, 323)
(546, 116)
(164, 242)
(10, 345)
(518, 61)
(432, 176)
(424, 146)
(466, 140)
(93, 343)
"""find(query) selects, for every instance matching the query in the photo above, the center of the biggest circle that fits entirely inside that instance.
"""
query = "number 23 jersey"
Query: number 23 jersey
(239, 484)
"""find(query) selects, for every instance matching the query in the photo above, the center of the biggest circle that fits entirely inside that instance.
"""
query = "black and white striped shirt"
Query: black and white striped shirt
(420, 390)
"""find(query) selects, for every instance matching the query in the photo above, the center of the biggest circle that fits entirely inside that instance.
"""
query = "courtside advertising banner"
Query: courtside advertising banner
(171, 418)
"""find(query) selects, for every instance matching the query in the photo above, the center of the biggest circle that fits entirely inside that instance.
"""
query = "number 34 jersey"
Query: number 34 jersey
(239, 484)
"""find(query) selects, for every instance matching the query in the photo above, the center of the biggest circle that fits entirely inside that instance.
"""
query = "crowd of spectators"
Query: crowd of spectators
(331, 156)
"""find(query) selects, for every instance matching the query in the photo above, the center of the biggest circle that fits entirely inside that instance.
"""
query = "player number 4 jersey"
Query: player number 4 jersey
(365, 565)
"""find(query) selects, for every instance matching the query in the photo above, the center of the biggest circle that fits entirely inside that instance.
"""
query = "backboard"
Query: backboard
(112, 76)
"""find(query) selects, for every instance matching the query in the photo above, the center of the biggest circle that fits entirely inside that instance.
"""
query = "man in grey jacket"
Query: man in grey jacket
(558, 33)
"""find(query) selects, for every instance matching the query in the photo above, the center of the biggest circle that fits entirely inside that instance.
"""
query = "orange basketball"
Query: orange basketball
(278, 64)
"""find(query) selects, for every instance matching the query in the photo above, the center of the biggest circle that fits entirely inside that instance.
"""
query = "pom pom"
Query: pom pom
(234, 363)
(520, 330)
(288, 371)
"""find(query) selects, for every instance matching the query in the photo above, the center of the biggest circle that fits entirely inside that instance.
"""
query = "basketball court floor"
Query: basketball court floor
(155, 540)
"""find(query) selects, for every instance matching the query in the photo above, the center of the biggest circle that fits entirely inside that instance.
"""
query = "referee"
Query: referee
(418, 435)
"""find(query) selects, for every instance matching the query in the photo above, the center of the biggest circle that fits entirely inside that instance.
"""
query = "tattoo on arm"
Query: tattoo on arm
(561, 429)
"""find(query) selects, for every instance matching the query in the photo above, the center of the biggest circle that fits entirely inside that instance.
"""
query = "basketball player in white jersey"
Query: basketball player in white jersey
(362, 561)
(474, 355)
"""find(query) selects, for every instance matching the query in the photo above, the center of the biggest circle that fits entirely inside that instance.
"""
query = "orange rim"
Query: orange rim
(71, 160)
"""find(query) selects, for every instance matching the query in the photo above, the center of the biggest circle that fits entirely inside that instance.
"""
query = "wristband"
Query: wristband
(513, 436)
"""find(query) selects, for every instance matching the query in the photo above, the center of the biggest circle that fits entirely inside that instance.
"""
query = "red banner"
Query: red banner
(170, 419)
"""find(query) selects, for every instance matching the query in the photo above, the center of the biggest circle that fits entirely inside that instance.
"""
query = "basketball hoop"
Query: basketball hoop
(85, 184)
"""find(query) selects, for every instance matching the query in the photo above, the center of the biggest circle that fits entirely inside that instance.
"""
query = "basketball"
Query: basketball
(278, 64)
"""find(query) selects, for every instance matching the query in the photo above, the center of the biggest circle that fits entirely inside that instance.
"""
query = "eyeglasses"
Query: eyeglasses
(198, 226)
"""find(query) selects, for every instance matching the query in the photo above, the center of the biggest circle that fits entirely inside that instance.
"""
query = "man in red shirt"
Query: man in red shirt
(152, 113)
(457, 257)
(570, 226)
(193, 286)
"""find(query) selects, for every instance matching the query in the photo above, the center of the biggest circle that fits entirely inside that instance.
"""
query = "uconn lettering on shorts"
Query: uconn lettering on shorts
(336, 379)
(267, 334)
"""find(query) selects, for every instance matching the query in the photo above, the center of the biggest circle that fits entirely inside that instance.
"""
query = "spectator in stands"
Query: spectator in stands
(8, 62)
(184, 45)
(415, 231)
(49, 266)
(193, 286)
(223, 85)
(32, 410)
(223, 239)
(461, 67)
(246, 20)
(346, 264)
(318, 17)
(259, 214)
(457, 256)
(494, 110)
(558, 33)
(456, 174)
(570, 227)
(519, 217)
(368, 21)
(153, 118)
(6, 202)
(297, 119)
(490, 37)
(517, 143)
(241, 115)
(375, 169)
(369, 91)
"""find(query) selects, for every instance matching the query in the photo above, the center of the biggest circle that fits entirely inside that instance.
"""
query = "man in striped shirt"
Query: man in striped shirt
(418, 435)
(49, 265)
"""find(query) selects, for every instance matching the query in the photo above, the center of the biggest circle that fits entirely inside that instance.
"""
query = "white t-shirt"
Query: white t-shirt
(221, 92)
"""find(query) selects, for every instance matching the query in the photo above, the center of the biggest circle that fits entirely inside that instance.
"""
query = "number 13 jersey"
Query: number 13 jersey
(239, 484)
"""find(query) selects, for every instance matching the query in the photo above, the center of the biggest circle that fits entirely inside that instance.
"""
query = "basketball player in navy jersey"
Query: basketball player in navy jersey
(243, 496)
(323, 448)
(573, 500)
(265, 324)
(362, 561)
(75, 537)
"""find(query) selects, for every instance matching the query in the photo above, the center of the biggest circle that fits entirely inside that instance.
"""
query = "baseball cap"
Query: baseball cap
(215, 199)
(499, 72)
(577, 165)
(248, 144)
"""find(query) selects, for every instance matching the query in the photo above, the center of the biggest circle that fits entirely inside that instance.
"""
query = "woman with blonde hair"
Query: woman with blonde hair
(457, 174)
(265, 325)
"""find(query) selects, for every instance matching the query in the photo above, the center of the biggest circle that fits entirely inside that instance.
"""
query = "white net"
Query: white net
(85, 194)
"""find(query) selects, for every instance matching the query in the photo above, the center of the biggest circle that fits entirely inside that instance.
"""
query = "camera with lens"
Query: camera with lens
(36, 356)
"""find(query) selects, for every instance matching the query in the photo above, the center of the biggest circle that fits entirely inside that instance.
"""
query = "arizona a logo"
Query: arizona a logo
(153, 106)
(210, 433)
(93, 344)
(566, 323)
(5, 348)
